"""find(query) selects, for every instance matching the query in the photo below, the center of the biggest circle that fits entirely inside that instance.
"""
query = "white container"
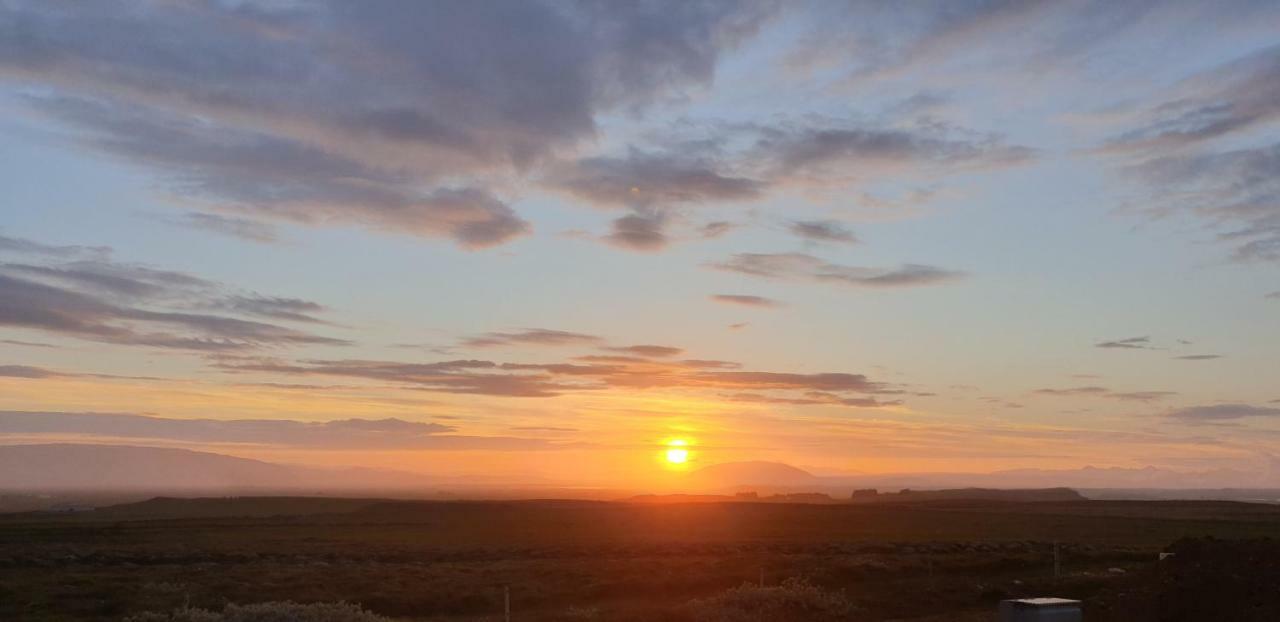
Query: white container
(1040, 610)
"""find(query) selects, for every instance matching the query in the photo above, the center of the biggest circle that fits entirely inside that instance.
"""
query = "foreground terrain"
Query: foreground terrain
(570, 560)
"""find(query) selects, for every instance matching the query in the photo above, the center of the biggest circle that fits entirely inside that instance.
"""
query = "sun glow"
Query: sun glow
(677, 451)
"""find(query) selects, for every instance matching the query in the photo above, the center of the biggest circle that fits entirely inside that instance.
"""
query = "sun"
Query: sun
(676, 451)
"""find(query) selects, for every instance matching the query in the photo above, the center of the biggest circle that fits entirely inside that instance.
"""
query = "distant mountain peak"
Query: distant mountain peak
(752, 473)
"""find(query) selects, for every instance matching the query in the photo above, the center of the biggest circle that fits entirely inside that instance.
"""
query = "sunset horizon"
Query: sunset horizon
(639, 311)
(875, 241)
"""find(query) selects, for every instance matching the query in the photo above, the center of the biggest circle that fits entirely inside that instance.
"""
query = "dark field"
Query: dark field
(618, 561)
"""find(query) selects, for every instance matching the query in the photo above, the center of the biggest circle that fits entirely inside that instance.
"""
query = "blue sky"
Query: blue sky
(985, 228)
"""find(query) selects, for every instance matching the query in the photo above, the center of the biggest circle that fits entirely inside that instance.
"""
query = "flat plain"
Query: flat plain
(578, 560)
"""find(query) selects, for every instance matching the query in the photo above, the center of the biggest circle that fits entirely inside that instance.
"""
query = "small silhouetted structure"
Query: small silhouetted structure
(801, 497)
(864, 493)
(747, 495)
(70, 508)
(1040, 610)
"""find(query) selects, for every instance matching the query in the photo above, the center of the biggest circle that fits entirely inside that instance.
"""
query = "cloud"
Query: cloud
(643, 231)
(693, 164)
(716, 229)
(386, 115)
(532, 337)
(1198, 357)
(642, 179)
(744, 300)
(1232, 97)
(651, 187)
(1176, 154)
(27, 344)
(1221, 412)
(459, 376)
(342, 434)
(291, 309)
(1037, 38)
(1132, 343)
(1096, 391)
(1237, 191)
(116, 279)
(31, 304)
(1091, 390)
(822, 231)
(270, 176)
(649, 350)
(234, 226)
(787, 381)
(793, 266)
(812, 398)
(26, 371)
(40, 373)
(31, 247)
(584, 373)
(864, 151)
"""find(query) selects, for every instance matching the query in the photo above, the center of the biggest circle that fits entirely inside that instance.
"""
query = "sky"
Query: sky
(542, 241)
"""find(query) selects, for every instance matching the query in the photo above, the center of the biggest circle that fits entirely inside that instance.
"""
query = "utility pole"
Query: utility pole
(506, 603)
(1057, 561)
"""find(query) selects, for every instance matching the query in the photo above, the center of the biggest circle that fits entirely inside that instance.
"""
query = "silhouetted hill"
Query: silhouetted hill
(224, 507)
(756, 473)
(92, 467)
(975, 494)
(100, 467)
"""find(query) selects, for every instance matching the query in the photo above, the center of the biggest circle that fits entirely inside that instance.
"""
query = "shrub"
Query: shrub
(267, 612)
(795, 599)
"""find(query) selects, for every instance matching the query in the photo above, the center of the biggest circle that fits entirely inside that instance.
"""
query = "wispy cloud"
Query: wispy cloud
(27, 371)
(822, 231)
(648, 350)
(531, 337)
(1221, 412)
(27, 344)
(643, 231)
(746, 300)
(31, 247)
(584, 373)
(1230, 98)
(259, 111)
(349, 434)
(1178, 154)
(698, 164)
(126, 304)
(234, 226)
(716, 229)
(31, 372)
(799, 266)
(1130, 343)
(812, 398)
(291, 309)
(1096, 391)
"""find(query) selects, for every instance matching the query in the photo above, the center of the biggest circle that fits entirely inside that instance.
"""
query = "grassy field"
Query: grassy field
(589, 560)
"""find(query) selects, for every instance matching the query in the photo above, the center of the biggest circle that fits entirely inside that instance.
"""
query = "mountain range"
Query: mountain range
(120, 467)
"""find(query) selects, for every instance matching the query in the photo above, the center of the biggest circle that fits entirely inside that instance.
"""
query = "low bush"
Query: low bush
(267, 612)
(793, 600)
